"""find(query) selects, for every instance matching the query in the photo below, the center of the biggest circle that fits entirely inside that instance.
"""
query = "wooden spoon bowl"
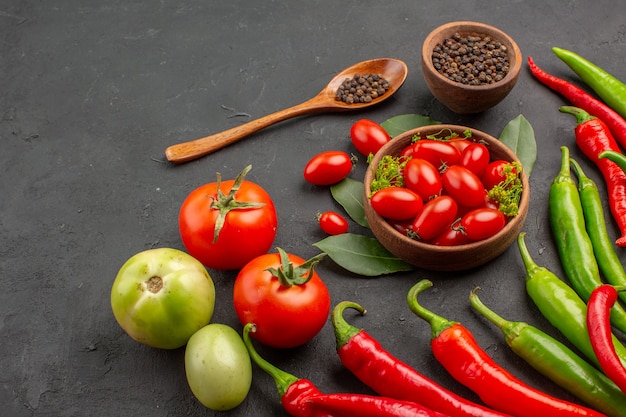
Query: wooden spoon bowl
(393, 70)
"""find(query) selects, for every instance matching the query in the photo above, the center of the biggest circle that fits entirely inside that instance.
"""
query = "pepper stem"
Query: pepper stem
(615, 156)
(581, 115)
(564, 175)
(343, 330)
(529, 264)
(584, 181)
(437, 323)
(281, 378)
(510, 329)
(289, 275)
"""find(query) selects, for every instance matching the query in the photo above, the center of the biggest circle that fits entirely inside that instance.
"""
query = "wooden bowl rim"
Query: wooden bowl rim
(430, 129)
(470, 27)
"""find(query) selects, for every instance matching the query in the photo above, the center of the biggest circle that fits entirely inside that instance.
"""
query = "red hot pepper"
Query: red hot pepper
(599, 326)
(389, 376)
(580, 98)
(593, 137)
(459, 353)
(300, 397)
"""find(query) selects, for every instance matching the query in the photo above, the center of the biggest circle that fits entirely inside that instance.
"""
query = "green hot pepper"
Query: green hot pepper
(572, 240)
(557, 362)
(611, 90)
(603, 248)
(560, 305)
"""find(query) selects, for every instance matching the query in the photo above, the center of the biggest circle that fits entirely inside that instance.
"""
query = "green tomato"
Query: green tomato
(218, 367)
(161, 297)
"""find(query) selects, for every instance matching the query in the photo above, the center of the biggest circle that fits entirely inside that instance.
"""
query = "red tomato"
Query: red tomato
(475, 158)
(396, 203)
(436, 152)
(435, 216)
(333, 223)
(405, 227)
(247, 232)
(327, 168)
(368, 136)
(482, 223)
(494, 174)
(460, 144)
(451, 236)
(285, 316)
(422, 177)
(464, 186)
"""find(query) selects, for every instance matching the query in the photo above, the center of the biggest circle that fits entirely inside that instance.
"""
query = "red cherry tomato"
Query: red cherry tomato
(396, 203)
(460, 144)
(482, 223)
(285, 316)
(494, 174)
(327, 168)
(475, 158)
(333, 223)
(246, 232)
(435, 216)
(464, 186)
(368, 136)
(405, 227)
(422, 177)
(451, 236)
(436, 152)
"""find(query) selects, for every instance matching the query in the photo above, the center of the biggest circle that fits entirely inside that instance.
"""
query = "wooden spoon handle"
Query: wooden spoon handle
(188, 151)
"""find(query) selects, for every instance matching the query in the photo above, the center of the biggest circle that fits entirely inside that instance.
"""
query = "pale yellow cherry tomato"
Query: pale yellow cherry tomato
(218, 367)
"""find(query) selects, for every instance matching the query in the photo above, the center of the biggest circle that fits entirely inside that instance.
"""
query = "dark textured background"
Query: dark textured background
(92, 92)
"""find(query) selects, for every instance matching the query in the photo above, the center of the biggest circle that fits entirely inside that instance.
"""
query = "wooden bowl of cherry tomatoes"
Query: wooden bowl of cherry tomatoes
(446, 197)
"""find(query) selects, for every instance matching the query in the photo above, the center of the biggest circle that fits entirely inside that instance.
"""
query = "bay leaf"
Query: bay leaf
(362, 255)
(519, 136)
(403, 122)
(349, 194)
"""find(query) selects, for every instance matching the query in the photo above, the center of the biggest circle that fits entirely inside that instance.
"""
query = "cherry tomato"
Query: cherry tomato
(327, 168)
(494, 173)
(422, 177)
(436, 152)
(475, 158)
(460, 144)
(405, 227)
(368, 136)
(451, 236)
(435, 216)
(286, 314)
(397, 203)
(482, 223)
(218, 367)
(247, 231)
(464, 186)
(333, 223)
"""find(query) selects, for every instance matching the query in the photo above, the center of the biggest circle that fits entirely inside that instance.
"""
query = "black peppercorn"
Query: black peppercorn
(482, 57)
(361, 88)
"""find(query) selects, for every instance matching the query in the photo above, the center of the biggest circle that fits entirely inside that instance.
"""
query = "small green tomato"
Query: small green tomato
(161, 297)
(218, 367)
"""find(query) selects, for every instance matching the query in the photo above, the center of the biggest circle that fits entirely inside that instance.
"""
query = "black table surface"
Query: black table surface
(91, 94)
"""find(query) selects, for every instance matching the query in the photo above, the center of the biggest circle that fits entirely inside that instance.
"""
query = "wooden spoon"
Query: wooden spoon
(393, 70)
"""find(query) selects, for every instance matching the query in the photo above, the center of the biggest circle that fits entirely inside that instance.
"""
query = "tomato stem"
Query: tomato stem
(288, 275)
(224, 203)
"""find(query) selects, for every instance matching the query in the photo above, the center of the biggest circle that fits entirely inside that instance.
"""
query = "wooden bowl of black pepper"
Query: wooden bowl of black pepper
(469, 66)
